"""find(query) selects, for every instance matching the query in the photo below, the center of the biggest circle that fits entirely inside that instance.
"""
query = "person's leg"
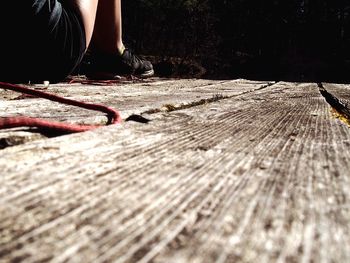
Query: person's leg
(107, 37)
(102, 21)
(109, 54)
(87, 10)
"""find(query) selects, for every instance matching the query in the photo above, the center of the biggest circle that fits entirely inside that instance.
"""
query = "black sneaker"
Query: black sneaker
(127, 63)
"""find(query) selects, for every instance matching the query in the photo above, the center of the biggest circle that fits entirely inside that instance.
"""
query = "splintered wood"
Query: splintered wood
(235, 171)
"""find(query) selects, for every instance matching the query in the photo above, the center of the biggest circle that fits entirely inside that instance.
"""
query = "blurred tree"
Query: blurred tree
(246, 38)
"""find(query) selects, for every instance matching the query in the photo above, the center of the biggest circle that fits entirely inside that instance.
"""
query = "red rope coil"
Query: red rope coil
(12, 122)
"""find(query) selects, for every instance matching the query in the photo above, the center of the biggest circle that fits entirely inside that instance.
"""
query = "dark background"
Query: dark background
(295, 40)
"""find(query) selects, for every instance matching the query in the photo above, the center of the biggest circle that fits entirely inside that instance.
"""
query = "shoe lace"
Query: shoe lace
(134, 59)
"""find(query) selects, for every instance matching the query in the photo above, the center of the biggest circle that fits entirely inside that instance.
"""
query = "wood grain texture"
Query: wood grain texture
(341, 91)
(338, 97)
(128, 97)
(262, 176)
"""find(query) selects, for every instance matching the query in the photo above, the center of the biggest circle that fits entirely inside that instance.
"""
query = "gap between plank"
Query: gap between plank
(339, 108)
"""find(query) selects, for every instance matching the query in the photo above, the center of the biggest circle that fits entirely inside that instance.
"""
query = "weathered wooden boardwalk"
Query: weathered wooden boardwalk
(224, 171)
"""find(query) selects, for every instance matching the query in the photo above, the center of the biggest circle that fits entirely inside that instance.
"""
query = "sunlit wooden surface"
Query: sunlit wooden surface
(224, 171)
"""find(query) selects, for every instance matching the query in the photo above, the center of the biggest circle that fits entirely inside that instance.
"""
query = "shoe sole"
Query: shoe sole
(147, 74)
(108, 75)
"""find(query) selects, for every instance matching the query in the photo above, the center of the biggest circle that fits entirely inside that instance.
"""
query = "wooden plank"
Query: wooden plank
(11, 137)
(341, 91)
(126, 96)
(337, 95)
(260, 177)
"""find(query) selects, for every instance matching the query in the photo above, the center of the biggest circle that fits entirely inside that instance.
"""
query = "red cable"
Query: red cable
(12, 122)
